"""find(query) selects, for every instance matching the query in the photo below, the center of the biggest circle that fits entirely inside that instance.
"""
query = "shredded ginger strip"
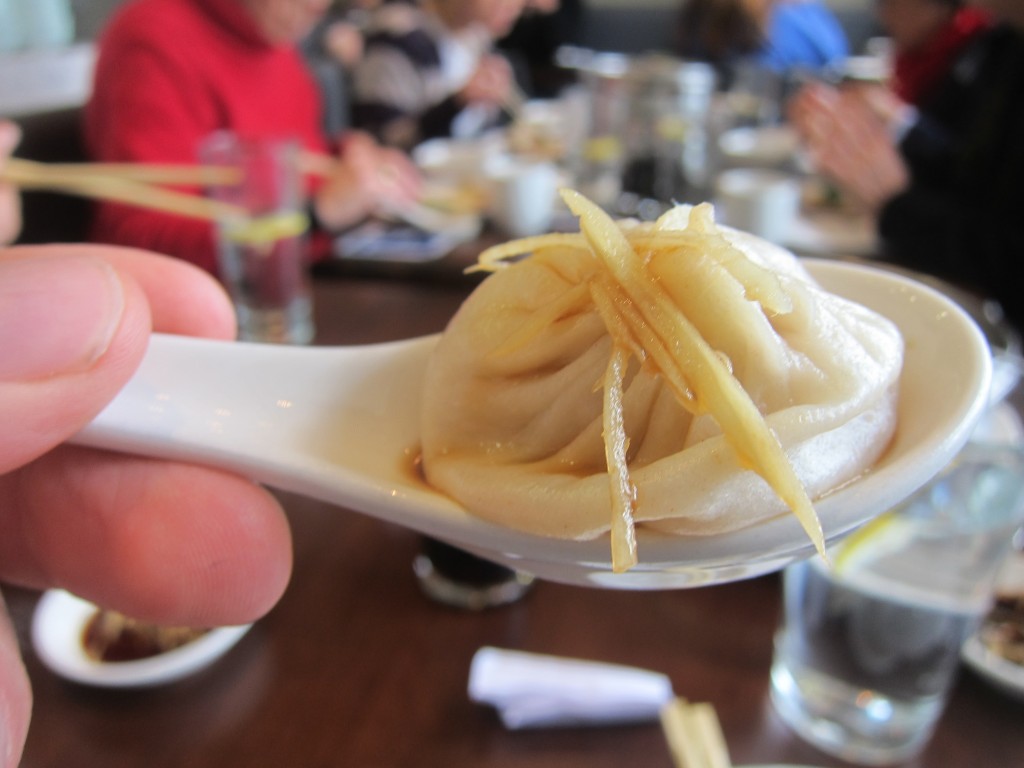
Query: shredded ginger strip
(616, 446)
(496, 257)
(643, 321)
(760, 284)
(717, 391)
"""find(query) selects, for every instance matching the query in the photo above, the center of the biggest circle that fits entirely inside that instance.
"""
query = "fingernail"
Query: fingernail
(58, 314)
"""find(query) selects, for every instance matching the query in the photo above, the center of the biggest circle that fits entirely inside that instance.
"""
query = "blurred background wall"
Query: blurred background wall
(91, 15)
(608, 25)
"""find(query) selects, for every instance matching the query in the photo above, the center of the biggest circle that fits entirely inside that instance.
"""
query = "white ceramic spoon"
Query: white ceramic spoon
(341, 424)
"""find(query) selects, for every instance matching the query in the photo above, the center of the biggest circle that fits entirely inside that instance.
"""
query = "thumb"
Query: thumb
(72, 331)
(15, 696)
(10, 201)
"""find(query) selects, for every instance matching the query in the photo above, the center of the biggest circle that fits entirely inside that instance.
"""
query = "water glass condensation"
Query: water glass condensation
(869, 648)
(262, 249)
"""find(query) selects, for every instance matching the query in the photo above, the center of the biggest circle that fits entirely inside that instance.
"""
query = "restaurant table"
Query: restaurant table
(356, 667)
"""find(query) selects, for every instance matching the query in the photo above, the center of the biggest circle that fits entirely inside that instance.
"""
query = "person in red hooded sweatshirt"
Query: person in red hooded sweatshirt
(171, 72)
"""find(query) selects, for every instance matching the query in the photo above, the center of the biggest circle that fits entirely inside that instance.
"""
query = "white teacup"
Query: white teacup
(522, 195)
(457, 160)
(758, 200)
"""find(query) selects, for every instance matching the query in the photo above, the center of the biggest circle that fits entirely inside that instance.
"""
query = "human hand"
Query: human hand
(849, 142)
(491, 83)
(896, 114)
(161, 541)
(366, 178)
(344, 42)
(10, 202)
(811, 108)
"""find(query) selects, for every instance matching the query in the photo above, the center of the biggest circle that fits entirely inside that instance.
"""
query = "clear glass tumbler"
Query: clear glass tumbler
(262, 244)
(869, 646)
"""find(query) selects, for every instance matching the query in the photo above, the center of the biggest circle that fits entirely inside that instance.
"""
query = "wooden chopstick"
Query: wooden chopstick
(423, 215)
(146, 173)
(316, 164)
(514, 102)
(456, 198)
(32, 175)
(694, 735)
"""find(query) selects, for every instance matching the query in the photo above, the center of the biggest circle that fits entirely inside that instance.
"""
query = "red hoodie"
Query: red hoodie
(170, 72)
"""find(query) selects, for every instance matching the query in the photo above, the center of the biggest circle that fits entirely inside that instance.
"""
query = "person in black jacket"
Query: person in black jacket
(946, 181)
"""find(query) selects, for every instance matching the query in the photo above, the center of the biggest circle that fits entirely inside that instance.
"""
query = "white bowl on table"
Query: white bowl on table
(58, 632)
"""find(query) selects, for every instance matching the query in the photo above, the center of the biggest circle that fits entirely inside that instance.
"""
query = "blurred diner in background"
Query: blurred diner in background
(926, 37)
(172, 72)
(532, 45)
(430, 70)
(941, 179)
(782, 36)
(404, 137)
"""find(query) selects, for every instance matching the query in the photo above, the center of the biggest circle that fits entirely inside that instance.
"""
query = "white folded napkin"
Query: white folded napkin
(531, 690)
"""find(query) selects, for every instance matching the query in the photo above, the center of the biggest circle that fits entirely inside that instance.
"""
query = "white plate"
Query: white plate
(1001, 424)
(458, 158)
(832, 233)
(57, 628)
(1003, 674)
(1000, 672)
(773, 146)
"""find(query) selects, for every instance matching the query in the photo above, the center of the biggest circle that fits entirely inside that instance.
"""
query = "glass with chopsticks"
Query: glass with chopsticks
(256, 204)
(261, 242)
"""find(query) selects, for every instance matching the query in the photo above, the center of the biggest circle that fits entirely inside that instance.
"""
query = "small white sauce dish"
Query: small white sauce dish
(1006, 675)
(1001, 673)
(58, 625)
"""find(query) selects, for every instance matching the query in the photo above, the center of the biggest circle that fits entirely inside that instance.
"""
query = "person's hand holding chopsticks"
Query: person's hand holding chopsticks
(366, 178)
(493, 83)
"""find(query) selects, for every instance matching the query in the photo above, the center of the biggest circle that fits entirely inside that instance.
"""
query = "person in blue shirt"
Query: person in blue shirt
(781, 36)
(802, 34)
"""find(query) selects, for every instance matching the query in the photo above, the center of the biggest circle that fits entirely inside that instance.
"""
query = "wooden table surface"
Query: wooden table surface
(356, 668)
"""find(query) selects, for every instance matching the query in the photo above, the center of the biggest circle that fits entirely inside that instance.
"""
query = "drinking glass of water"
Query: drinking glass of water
(262, 248)
(870, 643)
